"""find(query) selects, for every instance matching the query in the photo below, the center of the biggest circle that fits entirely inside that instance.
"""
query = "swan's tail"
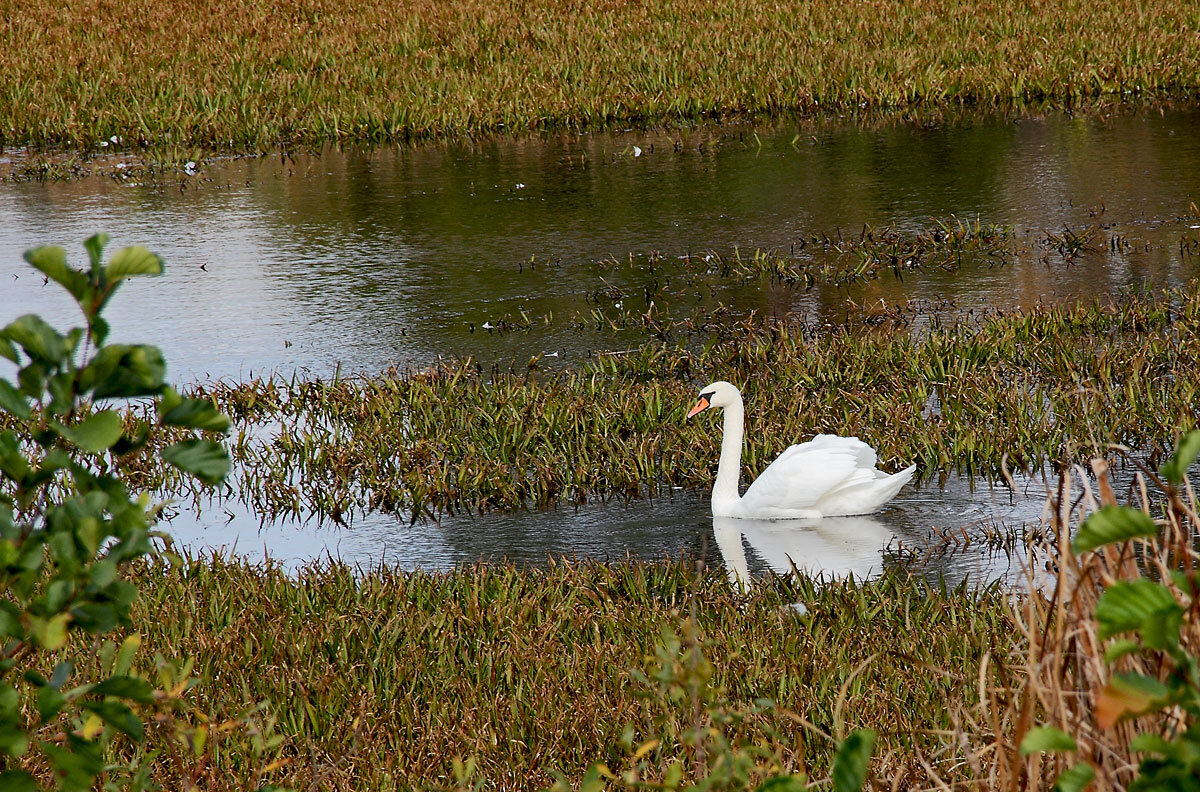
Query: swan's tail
(867, 492)
(893, 484)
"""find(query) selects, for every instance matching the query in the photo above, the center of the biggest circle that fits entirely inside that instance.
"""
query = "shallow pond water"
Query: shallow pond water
(941, 532)
(360, 259)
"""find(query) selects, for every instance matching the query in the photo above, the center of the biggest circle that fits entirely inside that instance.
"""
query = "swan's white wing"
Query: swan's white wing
(862, 452)
(805, 472)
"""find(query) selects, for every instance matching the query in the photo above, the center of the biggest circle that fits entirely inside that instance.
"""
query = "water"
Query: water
(360, 259)
(363, 258)
(672, 527)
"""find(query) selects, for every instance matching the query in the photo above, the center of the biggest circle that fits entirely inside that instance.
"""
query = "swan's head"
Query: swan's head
(718, 394)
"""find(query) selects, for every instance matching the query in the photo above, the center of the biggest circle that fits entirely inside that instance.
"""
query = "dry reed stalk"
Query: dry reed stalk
(1064, 667)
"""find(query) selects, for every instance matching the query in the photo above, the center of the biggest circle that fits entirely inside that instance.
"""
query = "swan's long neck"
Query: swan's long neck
(729, 468)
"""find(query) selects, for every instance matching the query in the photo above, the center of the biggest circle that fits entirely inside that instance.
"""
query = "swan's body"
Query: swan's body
(828, 476)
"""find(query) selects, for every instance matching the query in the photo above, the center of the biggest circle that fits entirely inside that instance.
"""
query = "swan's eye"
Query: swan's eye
(707, 396)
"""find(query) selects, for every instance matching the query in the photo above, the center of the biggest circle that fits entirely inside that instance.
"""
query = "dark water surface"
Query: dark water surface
(360, 259)
(364, 258)
(676, 526)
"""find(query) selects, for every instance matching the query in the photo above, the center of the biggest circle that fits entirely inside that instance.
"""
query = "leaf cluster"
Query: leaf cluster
(69, 523)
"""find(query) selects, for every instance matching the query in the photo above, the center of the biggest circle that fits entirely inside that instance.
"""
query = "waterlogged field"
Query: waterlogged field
(437, 348)
(246, 76)
(1026, 390)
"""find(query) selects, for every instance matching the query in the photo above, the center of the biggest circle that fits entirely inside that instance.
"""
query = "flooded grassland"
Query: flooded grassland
(464, 368)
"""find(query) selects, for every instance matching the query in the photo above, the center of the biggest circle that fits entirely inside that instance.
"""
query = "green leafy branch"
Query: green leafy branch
(69, 524)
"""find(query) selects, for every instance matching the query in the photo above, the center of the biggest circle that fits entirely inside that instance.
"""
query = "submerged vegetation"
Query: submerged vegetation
(1023, 390)
(251, 76)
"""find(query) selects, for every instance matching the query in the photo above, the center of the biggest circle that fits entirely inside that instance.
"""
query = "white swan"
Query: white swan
(828, 476)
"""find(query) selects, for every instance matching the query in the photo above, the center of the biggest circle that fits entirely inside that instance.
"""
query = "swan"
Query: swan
(828, 476)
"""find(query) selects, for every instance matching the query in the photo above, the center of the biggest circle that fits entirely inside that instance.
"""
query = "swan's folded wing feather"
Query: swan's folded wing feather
(863, 453)
(802, 474)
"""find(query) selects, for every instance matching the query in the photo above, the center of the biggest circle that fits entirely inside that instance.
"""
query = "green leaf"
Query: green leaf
(8, 351)
(1185, 581)
(62, 392)
(1128, 695)
(124, 371)
(10, 619)
(50, 702)
(32, 379)
(783, 783)
(94, 434)
(592, 781)
(196, 414)
(95, 617)
(99, 330)
(39, 340)
(75, 766)
(850, 761)
(13, 741)
(10, 700)
(17, 781)
(1153, 743)
(117, 715)
(126, 687)
(12, 461)
(62, 672)
(1046, 738)
(1075, 779)
(1120, 648)
(51, 261)
(51, 633)
(95, 245)
(204, 459)
(131, 261)
(1141, 606)
(125, 654)
(57, 594)
(1112, 524)
(13, 402)
(102, 572)
(1175, 469)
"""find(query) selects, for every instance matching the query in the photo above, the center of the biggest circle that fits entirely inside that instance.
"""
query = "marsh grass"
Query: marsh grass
(1025, 389)
(380, 680)
(247, 76)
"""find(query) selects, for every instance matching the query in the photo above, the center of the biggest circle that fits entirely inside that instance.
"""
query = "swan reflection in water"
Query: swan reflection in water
(833, 547)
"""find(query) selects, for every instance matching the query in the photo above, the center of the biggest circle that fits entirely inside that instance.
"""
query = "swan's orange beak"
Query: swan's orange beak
(700, 407)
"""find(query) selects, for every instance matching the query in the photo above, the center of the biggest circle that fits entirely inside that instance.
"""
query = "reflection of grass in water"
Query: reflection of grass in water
(1045, 385)
(253, 75)
(379, 681)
